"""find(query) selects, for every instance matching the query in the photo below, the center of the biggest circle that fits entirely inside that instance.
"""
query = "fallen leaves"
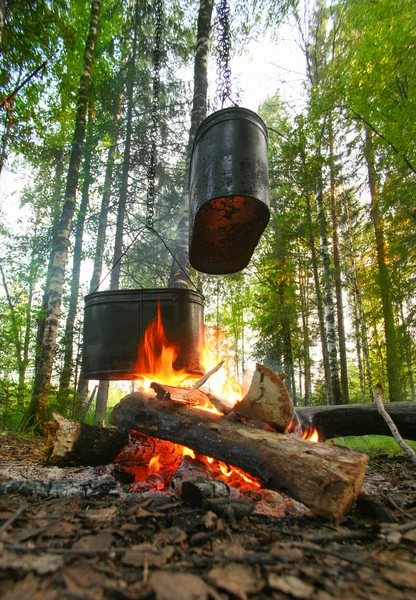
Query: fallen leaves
(148, 554)
(168, 585)
(40, 563)
(289, 584)
(239, 580)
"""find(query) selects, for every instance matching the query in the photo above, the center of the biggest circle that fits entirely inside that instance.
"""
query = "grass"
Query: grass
(373, 444)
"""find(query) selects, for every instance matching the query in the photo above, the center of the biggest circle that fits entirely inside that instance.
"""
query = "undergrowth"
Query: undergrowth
(373, 445)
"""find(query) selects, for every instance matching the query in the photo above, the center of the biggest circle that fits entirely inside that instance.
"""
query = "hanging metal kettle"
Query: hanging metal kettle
(229, 190)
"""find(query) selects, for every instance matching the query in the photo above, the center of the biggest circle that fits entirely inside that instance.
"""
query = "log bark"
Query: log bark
(77, 444)
(360, 419)
(325, 478)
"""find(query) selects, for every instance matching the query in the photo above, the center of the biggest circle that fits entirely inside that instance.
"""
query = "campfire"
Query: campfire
(219, 393)
(177, 433)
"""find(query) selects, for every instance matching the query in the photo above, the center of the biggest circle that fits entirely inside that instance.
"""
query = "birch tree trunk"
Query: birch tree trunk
(392, 355)
(56, 210)
(36, 411)
(179, 274)
(67, 368)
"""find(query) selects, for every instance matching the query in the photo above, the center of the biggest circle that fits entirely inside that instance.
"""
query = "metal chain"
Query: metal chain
(151, 170)
(223, 52)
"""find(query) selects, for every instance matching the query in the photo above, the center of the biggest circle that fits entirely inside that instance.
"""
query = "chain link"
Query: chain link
(151, 170)
(223, 80)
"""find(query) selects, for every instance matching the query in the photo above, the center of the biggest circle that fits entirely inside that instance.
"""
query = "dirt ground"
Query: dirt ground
(117, 541)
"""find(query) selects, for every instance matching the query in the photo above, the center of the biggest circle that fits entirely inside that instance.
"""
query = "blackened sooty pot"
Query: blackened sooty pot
(115, 322)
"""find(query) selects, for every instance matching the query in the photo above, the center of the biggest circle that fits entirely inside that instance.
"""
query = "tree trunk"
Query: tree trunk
(124, 188)
(392, 355)
(179, 275)
(102, 395)
(357, 296)
(337, 272)
(319, 303)
(82, 390)
(55, 217)
(303, 293)
(67, 368)
(359, 419)
(37, 409)
(329, 309)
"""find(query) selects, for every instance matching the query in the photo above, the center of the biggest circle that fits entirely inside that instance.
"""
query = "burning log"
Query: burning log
(325, 478)
(267, 400)
(360, 419)
(194, 397)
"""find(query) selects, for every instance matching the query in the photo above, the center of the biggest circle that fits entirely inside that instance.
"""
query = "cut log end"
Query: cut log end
(267, 400)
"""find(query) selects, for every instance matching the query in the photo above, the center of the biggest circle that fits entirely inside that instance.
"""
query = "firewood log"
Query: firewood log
(326, 478)
(267, 400)
(71, 444)
(359, 419)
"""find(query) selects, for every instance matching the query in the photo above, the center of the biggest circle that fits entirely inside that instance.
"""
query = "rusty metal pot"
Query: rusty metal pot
(229, 203)
(115, 322)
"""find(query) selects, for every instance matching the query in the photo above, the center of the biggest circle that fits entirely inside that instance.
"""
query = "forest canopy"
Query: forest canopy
(94, 91)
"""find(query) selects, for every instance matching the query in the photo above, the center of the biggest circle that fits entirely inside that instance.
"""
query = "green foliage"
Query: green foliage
(374, 445)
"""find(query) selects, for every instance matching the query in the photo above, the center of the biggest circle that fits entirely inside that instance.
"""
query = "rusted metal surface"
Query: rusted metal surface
(115, 322)
(229, 190)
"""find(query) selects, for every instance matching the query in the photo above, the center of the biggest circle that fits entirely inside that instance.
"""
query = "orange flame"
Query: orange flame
(154, 464)
(156, 356)
(309, 433)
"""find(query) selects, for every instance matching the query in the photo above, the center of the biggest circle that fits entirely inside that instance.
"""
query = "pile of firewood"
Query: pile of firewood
(251, 436)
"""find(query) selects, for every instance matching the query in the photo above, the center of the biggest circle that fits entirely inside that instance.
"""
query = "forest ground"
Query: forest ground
(114, 541)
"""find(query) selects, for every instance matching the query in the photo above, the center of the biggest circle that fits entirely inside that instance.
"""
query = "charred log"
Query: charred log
(360, 419)
(76, 444)
(198, 490)
(63, 488)
(325, 478)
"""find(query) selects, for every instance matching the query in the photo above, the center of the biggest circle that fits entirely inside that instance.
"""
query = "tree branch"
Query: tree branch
(378, 398)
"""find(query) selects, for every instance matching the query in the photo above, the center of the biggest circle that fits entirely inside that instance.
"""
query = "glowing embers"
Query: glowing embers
(152, 463)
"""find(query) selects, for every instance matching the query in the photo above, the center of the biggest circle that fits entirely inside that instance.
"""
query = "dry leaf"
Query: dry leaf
(99, 515)
(173, 535)
(285, 553)
(101, 541)
(31, 588)
(209, 520)
(410, 536)
(147, 553)
(179, 586)
(61, 529)
(41, 563)
(292, 585)
(237, 579)
(230, 550)
(404, 575)
(21, 535)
